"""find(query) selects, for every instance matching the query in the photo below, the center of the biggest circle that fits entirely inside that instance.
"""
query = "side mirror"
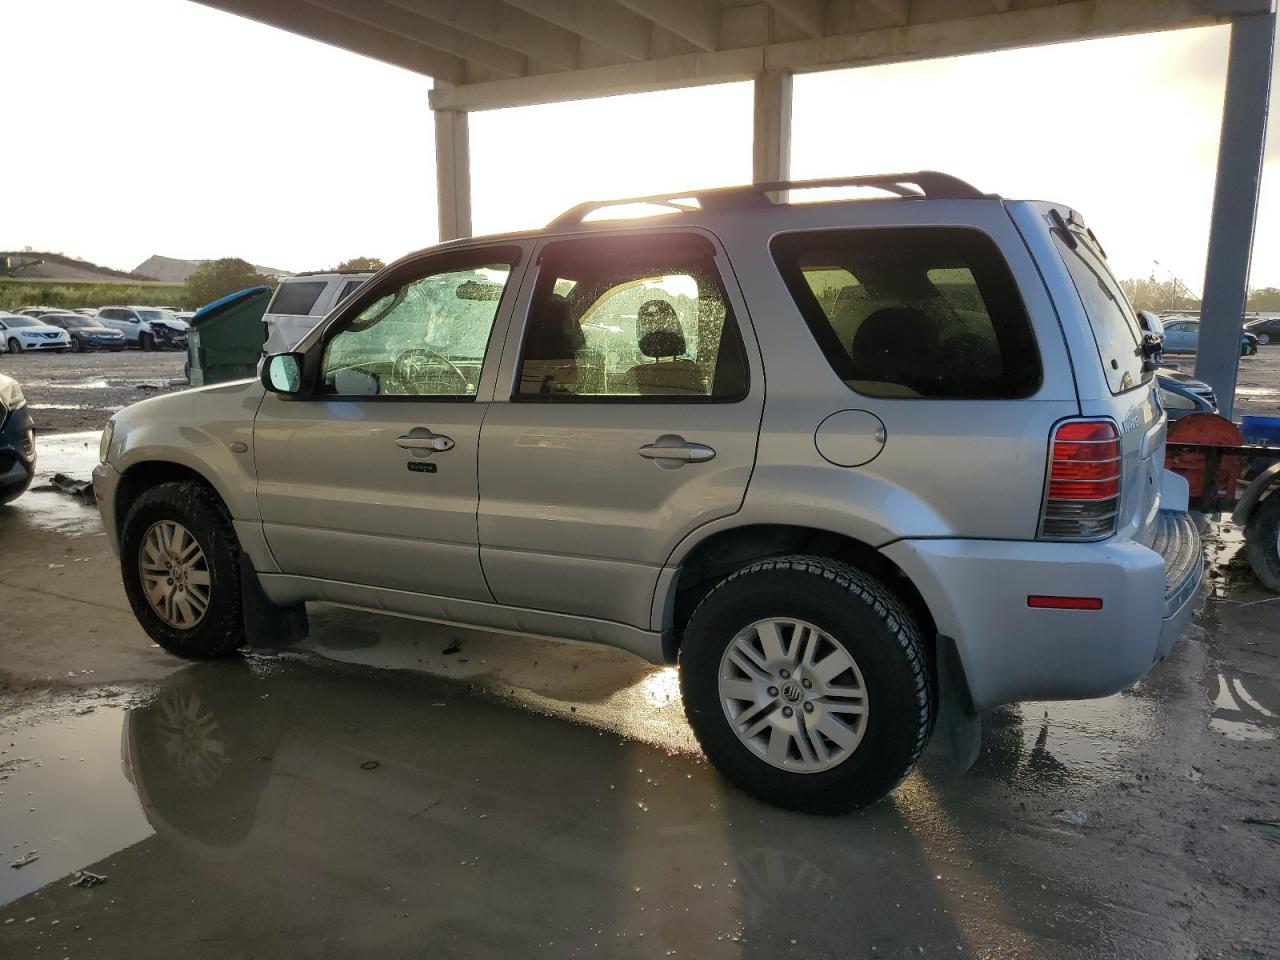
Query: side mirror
(282, 373)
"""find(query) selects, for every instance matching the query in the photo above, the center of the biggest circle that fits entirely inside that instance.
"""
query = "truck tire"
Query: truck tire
(807, 684)
(180, 562)
(1262, 541)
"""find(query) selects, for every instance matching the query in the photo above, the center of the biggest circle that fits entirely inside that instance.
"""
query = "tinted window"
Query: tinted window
(348, 288)
(426, 338)
(1115, 328)
(296, 299)
(913, 312)
(618, 321)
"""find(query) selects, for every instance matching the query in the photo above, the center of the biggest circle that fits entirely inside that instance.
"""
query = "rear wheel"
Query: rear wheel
(805, 681)
(1262, 541)
(14, 345)
(179, 559)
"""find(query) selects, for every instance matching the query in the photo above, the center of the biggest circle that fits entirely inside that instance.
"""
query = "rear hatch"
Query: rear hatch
(1126, 390)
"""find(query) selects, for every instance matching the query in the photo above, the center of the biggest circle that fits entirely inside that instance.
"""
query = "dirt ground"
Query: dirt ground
(79, 391)
(395, 788)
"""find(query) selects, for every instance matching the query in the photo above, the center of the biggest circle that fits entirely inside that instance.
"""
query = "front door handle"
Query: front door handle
(671, 447)
(434, 442)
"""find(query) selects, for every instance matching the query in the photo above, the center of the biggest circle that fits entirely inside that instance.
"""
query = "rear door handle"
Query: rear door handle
(435, 442)
(671, 447)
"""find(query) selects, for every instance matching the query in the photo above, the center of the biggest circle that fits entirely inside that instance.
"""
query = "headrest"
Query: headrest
(658, 330)
(554, 334)
(898, 345)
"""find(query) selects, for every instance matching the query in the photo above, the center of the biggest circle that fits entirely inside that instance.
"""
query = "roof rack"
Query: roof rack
(926, 183)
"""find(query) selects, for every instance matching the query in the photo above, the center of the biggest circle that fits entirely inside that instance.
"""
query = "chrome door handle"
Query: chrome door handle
(679, 450)
(435, 442)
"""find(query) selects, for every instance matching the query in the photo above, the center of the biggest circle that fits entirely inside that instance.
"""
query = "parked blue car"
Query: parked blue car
(1183, 336)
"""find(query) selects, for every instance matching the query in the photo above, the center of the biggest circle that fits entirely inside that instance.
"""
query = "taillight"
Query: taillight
(1083, 499)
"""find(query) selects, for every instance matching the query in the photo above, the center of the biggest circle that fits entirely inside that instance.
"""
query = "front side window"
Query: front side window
(913, 312)
(424, 338)
(631, 320)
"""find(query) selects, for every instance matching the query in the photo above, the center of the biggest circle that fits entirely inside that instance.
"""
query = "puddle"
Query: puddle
(309, 803)
(64, 795)
(1244, 707)
(1241, 730)
(75, 454)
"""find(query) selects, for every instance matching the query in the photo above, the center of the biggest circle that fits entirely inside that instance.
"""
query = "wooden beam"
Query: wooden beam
(346, 34)
(1066, 21)
(600, 21)
(501, 24)
(809, 15)
(413, 26)
(669, 73)
(694, 20)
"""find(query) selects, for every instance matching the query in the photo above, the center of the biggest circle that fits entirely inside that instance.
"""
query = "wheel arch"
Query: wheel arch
(721, 553)
(144, 475)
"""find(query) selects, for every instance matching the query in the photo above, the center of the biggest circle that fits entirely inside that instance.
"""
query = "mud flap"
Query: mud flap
(265, 624)
(958, 730)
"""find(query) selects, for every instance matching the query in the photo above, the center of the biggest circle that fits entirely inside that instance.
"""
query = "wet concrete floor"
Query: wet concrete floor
(393, 788)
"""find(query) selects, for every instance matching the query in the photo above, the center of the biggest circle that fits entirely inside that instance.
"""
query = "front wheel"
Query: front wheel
(146, 342)
(76, 347)
(14, 345)
(806, 682)
(179, 559)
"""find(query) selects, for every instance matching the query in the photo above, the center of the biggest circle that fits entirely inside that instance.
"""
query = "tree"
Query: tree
(361, 263)
(1150, 293)
(217, 278)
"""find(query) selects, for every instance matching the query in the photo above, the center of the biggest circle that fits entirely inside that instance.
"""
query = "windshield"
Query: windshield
(24, 322)
(71, 320)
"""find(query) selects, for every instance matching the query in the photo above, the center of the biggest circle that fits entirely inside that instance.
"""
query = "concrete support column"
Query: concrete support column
(453, 174)
(771, 136)
(1235, 204)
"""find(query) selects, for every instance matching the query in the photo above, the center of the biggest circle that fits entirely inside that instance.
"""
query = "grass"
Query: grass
(16, 293)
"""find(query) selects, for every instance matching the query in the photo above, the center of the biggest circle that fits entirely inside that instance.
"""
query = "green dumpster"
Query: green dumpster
(226, 337)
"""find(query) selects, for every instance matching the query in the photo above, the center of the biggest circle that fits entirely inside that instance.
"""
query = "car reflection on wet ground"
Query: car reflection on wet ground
(393, 788)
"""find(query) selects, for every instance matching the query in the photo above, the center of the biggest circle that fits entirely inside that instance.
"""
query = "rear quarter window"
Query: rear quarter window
(1115, 327)
(296, 299)
(913, 312)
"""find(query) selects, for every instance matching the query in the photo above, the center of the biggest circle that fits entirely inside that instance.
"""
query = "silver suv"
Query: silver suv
(857, 466)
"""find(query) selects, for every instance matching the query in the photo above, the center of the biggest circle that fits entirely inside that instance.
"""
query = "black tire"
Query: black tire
(14, 345)
(76, 346)
(877, 631)
(220, 631)
(146, 342)
(1260, 541)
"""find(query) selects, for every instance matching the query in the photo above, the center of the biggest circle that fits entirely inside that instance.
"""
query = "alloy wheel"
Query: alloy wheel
(793, 695)
(175, 574)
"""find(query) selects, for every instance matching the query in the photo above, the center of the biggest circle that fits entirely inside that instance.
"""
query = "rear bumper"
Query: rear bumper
(977, 592)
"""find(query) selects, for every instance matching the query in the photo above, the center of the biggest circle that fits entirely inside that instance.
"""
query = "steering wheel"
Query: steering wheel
(423, 367)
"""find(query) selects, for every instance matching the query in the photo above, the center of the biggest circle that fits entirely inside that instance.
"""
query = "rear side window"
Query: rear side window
(913, 312)
(296, 299)
(1115, 328)
(348, 288)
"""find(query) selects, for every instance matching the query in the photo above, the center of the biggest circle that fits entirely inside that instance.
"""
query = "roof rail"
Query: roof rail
(927, 183)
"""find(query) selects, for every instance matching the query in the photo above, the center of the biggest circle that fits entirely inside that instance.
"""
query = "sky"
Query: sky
(205, 135)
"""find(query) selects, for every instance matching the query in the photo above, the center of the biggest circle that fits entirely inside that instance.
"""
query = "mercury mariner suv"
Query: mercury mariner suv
(858, 466)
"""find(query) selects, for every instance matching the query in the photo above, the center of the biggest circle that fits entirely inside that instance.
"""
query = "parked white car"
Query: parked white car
(148, 328)
(21, 333)
(302, 301)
